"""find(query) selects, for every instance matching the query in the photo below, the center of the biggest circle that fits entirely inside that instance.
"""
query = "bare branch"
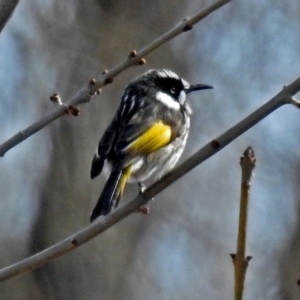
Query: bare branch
(7, 8)
(86, 93)
(104, 223)
(240, 261)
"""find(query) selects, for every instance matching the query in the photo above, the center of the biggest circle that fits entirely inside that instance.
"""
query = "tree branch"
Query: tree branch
(240, 261)
(7, 8)
(91, 231)
(86, 93)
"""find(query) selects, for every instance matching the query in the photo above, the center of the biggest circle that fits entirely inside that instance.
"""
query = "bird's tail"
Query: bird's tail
(112, 192)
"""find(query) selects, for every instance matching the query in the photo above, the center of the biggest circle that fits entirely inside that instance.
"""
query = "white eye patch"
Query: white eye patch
(168, 100)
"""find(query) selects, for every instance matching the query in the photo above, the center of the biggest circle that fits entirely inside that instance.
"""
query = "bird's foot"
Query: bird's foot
(144, 209)
(143, 187)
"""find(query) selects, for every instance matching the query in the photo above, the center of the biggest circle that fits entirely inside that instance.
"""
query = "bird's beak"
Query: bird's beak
(197, 87)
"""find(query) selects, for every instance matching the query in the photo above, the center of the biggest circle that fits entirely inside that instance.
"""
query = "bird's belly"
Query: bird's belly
(155, 165)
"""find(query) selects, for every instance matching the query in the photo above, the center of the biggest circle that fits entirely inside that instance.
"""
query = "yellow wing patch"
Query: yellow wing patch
(155, 137)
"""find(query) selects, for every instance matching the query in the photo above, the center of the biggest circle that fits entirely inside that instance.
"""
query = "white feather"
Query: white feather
(164, 73)
(167, 100)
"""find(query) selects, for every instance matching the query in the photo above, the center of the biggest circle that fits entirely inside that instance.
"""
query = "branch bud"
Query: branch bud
(132, 54)
(142, 61)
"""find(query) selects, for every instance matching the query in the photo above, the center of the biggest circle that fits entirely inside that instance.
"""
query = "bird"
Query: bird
(146, 136)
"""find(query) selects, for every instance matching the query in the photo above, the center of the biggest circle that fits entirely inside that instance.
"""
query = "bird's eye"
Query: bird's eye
(173, 90)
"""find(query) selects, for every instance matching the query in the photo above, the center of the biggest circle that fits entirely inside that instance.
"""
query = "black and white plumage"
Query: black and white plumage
(147, 135)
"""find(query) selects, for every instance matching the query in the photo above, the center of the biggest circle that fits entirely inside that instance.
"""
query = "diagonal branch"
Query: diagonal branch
(91, 231)
(86, 93)
(7, 8)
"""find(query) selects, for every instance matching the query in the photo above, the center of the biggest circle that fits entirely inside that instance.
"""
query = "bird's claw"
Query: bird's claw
(145, 209)
(143, 187)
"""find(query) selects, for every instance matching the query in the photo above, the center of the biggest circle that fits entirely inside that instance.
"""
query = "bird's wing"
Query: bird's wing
(131, 132)
(143, 130)
(143, 138)
(104, 148)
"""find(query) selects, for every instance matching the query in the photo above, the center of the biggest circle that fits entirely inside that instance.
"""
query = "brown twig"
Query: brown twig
(86, 93)
(240, 261)
(104, 223)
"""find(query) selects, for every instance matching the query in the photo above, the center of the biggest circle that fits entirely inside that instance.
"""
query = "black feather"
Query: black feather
(97, 166)
(108, 196)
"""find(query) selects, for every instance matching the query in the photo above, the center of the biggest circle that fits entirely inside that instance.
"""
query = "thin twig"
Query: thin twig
(7, 8)
(86, 93)
(104, 223)
(240, 261)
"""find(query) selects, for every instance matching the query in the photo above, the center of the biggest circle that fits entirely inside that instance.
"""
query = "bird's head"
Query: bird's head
(168, 87)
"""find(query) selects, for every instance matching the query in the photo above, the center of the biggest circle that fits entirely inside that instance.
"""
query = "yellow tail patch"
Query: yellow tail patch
(124, 178)
(157, 136)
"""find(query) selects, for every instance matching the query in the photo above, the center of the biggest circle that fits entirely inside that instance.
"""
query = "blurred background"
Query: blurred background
(247, 50)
